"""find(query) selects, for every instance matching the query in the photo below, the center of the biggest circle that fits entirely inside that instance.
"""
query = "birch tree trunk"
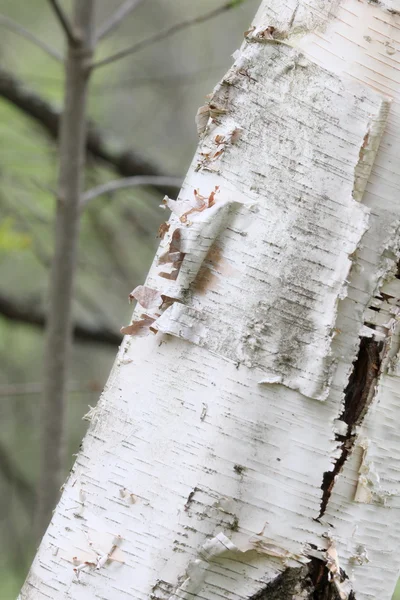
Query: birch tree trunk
(247, 442)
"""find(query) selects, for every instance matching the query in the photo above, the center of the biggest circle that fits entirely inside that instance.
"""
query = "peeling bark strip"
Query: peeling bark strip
(226, 473)
(357, 397)
(287, 330)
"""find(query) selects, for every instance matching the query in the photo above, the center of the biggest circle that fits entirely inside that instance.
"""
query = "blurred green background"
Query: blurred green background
(146, 103)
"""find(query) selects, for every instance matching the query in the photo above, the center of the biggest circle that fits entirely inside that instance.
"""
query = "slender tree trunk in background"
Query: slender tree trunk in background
(59, 326)
(247, 441)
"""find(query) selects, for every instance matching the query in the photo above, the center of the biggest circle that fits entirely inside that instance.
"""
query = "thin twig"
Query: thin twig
(17, 28)
(64, 22)
(120, 184)
(116, 18)
(166, 33)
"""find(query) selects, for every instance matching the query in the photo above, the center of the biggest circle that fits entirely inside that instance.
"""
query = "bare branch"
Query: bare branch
(17, 28)
(64, 22)
(166, 33)
(30, 313)
(116, 18)
(127, 162)
(16, 479)
(120, 184)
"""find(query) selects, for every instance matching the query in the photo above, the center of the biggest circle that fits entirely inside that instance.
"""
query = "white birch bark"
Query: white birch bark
(205, 471)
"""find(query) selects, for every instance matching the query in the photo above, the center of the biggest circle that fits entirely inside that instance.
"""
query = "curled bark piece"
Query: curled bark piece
(147, 297)
(140, 327)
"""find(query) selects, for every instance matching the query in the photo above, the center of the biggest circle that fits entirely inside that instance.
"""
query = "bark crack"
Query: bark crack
(310, 582)
(323, 585)
(290, 582)
(357, 398)
(361, 387)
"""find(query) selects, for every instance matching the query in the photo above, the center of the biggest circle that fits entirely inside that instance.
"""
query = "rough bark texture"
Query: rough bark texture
(59, 325)
(204, 472)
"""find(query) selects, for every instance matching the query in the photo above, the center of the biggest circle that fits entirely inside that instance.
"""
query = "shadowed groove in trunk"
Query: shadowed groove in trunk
(358, 394)
(323, 587)
(310, 582)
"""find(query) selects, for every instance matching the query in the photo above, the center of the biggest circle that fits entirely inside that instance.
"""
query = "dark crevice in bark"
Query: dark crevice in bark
(311, 582)
(361, 382)
(357, 397)
(323, 586)
(291, 582)
(397, 274)
(375, 308)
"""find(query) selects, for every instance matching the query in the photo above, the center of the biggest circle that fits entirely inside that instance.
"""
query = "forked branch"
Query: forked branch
(65, 23)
